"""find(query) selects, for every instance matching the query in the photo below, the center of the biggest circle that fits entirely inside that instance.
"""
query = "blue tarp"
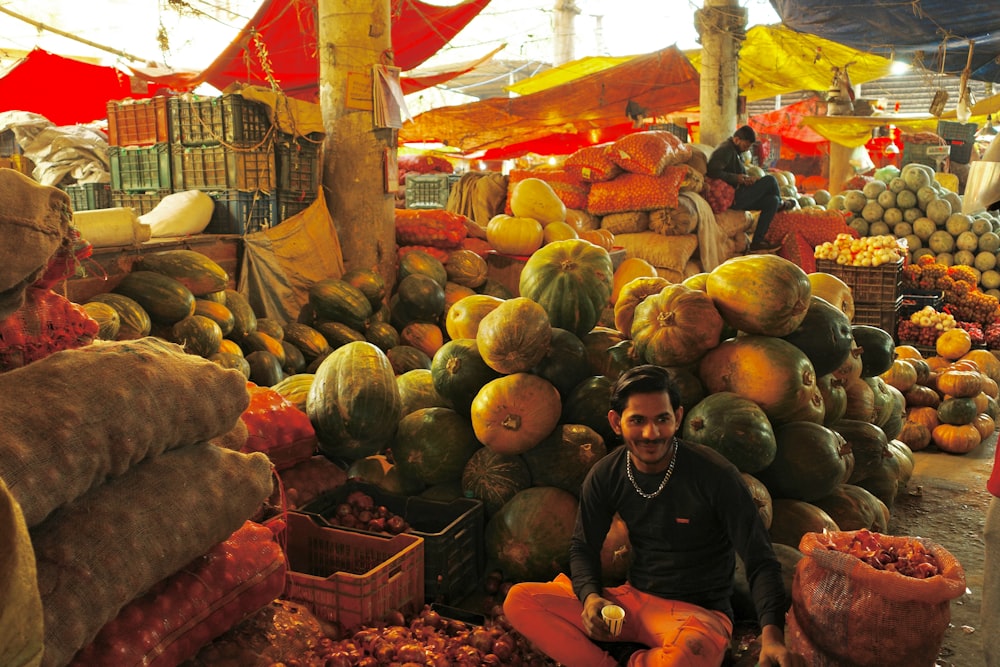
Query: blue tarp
(912, 30)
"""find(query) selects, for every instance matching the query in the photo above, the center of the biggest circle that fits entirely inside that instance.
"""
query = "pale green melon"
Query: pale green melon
(915, 179)
(938, 210)
(941, 242)
(945, 258)
(900, 229)
(985, 261)
(836, 203)
(995, 293)
(965, 258)
(989, 242)
(906, 199)
(990, 279)
(897, 184)
(920, 252)
(911, 215)
(893, 216)
(886, 199)
(953, 199)
(958, 223)
(981, 226)
(822, 197)
(855, 200)
(967, 241)
(873, 189)
(872, 212)
(925, 195)
(860, 225)
(913, 242)
(924, 227)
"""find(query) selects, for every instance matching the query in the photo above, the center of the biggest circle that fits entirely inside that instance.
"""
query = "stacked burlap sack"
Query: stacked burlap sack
(109, 487)
(644, 188)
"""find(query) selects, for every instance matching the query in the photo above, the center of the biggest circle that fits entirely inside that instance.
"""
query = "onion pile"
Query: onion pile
(359, 511)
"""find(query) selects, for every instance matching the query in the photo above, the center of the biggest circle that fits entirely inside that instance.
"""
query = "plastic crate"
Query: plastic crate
(142, 202)
(89, 196)
(926, 154)
(425, 191)
(223, 168)
(239, 212)
(287, 205)
(298, 161)
(19, 163)
(140, 169)
(915, 300)
(352, 578)
(138, 122)
(228, 119)
(452, 533)
(876, 315)
(875, 285)
(8, 144)
(960, 136)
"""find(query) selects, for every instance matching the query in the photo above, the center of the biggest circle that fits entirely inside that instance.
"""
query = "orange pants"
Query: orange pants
(680, 634)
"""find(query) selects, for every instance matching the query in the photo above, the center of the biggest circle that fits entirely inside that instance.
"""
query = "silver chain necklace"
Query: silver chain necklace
(666, 476)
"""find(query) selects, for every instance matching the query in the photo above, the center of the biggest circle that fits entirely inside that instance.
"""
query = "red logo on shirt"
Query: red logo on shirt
(680, 520)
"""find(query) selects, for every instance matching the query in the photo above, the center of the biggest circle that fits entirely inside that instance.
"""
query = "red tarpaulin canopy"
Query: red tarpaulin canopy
(557, 120)
(786, 123)
(64, 90)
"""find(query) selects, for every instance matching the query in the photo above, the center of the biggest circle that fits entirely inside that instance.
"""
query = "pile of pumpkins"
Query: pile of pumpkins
(951, 398)
(913, 206)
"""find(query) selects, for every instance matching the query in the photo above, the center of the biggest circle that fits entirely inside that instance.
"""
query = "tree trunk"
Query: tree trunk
(352, 36)
(722, 27)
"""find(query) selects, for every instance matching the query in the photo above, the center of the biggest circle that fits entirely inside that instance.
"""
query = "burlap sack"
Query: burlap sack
(682, 219)
(34, 224)
(699, 158)
(626, 223)
(81, 416)
(113, 544)
(21, 630)
(666, 252)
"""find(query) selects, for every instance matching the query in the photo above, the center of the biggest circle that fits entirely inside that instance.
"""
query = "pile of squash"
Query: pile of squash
(951, 398)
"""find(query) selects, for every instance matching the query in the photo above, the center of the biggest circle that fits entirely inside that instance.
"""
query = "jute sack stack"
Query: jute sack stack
(99, 553)
(83, 416)
(20, 605)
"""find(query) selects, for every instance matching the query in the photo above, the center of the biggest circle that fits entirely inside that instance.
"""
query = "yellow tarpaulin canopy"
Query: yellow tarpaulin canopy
(852, 131)
(773, 60)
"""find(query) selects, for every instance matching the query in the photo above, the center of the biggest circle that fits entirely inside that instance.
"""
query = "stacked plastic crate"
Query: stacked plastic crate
(299, 162)
(225, 147)
(11, 156)
(139, 153)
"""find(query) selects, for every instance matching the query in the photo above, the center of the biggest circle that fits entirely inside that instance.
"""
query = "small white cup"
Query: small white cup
(614, 616)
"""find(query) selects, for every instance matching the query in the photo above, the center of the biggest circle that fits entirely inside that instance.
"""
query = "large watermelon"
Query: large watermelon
(529, 537)
(433, 445)
(565, 457)
(494, 478)
(354, 401)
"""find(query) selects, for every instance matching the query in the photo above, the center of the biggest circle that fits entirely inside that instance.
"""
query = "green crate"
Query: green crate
(89, 196)
(140, 169)
(427, 191)
(141, 202)
(351, 578)
(228, 119)
(454, 552)
(223, 168)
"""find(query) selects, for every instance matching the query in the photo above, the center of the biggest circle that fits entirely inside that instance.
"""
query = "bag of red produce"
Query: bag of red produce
(47, 322)
(307, 480)
(277, 428)
(871, 600)
(189, 609)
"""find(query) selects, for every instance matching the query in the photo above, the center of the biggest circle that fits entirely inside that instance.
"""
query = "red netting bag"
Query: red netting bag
(277, 428)
(636, 192)
(873, 600)
(592, 164)
(649, 152)
(719, 194)
(46, 323)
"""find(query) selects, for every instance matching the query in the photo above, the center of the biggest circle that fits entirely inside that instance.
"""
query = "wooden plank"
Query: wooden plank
(107, 266)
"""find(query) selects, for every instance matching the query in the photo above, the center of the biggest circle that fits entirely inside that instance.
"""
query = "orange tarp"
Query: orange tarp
(660, 83)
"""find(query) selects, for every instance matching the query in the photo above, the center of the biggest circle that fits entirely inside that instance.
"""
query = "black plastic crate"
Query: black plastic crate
(876, 315)
(298, 161)
(238, 212)
(228, 119)
(89, 196)
(140, 169)
(142, 202)
(960, 136)
(289, 204)
(223, 168)
(915, 300)
(454, 550)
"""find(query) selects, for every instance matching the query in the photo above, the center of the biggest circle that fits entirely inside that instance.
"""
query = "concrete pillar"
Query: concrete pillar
(722, 27)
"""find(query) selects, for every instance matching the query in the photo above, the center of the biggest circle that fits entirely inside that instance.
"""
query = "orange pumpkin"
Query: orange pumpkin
(982, 402)
(964, 365)
(922, 369)
(920, 396)
(956, 438)
(908, 352)
(990, 387)
(462, 319)
(937, 363)
(675, 327)
(926, 416)
(953, 344)
(424, 336)
(629, 269)
(599, 237)
(916, 436)
(901, 375)
(860, 401)
(851, 368)
(631, 295)
(698, 281)
(985, 424)
(514, 236)
(988, 364)
(961, 384)
(513, 413)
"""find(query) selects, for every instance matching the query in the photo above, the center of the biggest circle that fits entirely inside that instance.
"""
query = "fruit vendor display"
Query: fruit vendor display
(964, 304)
(865, 251)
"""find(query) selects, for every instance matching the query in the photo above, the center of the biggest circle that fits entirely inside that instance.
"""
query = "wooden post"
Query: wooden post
(722, 27)
(840, 166)
(353, 36)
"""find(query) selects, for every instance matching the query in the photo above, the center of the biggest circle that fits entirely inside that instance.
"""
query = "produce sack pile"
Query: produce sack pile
(123, 489)
(867, 599)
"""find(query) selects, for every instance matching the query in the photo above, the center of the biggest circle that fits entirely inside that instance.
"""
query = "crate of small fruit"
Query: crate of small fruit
(870, 266)
(970, 307)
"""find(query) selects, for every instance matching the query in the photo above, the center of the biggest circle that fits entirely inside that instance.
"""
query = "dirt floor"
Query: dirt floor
(946, 502)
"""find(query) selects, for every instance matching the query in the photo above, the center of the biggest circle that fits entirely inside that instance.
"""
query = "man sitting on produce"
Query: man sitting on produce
(687, 514)
(752, 194)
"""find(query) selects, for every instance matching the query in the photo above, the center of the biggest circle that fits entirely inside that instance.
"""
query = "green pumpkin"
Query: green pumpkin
(494, 478)
(459, 372)
(878, 349)
(824, 336)
(809, 462)
(433, 445)
(565, 457)
(868, 444)
(571, 280)
(735, 427)
(957, 411)
(565, 364)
